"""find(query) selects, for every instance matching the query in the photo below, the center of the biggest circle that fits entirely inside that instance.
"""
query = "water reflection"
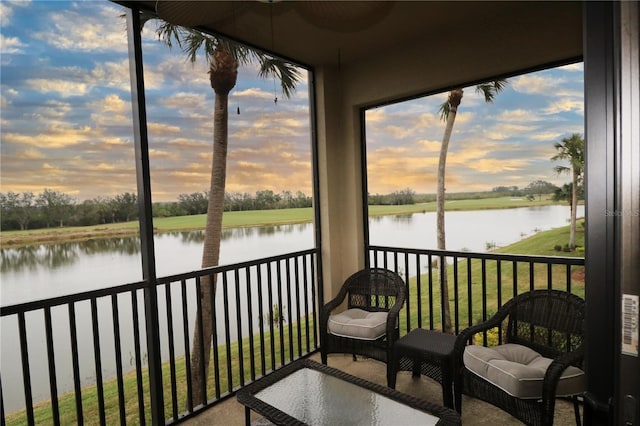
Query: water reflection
(119, 245)
(55, 256)
(402, 218)
(52, 257)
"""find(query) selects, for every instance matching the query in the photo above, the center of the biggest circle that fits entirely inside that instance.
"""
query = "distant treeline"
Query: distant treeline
(20, 211)
(49, 209)
(408, 196)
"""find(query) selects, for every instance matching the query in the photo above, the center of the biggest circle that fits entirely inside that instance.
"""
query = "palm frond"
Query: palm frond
(490, 89)
(168, 33)
(284, 71)
(194, 42)
(445, 109)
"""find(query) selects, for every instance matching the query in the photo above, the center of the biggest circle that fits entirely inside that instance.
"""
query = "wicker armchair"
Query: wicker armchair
(549, 322)
(376, 293)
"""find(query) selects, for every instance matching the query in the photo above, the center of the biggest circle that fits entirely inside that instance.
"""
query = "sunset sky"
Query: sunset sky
(66, 119)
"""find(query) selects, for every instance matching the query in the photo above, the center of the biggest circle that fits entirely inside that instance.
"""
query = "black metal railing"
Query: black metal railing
(478, 283)
(82, 358)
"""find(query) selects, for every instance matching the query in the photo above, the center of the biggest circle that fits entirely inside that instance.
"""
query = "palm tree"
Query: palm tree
(448, 112)
(572, 149)
(224, 58)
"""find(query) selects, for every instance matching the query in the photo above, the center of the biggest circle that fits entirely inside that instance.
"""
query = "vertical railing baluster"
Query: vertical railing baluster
(314, 303)
(549, 276)
(442, 278)
(396, 270)
(73, 331)
(305, 293)
(418, 291)
(280, 314)
(98, 360)
(407, 291)
(172, 351)
(236, 277)
(385, 260)
(499, 295)
(568, 279)
(469, 293)
(515, 278)
(263, 366)
(252, 350)
(201, 368)
(118, 355)
(431, 318)
(227, 332)
(456, 307)
(499, 284)
(287, 268)
(53, 384)
(214, 343)
(296, 275)
(531, 276)
(484, 297)
(138, 354)
(271, 318)
(26, 374)
(187, 349)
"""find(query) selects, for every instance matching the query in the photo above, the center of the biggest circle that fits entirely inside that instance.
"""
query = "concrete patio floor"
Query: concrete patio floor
(474, 412)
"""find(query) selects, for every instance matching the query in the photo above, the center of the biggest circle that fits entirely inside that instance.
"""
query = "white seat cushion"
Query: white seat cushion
(358, 324)
(519, 370)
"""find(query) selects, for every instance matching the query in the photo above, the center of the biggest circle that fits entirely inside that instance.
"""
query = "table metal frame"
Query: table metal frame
(247, 397)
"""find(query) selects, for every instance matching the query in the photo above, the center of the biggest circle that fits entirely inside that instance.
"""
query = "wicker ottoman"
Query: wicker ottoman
(425, 352)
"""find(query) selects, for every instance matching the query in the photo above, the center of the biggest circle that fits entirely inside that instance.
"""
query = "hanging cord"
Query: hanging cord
(235, 30)
(275, 98)
(275, 94)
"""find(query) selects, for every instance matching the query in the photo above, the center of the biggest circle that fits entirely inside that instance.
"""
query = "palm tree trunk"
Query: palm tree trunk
(211, 250)
(223, 73)
(455, 96)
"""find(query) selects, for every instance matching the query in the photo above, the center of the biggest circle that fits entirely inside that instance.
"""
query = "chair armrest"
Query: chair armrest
(328, 307)
(555, 370)
(392, 316)
(465, 335)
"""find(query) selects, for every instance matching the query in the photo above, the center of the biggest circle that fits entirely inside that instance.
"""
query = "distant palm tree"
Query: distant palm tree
(572, 149)
(448, 112)
(223, 58)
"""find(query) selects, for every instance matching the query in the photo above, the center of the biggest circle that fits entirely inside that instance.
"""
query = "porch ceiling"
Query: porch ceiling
(525, 34)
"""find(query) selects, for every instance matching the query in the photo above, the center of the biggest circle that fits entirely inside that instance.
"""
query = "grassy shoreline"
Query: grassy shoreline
(14, 239)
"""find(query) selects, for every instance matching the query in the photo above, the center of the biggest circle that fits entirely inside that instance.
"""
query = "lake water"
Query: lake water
(39, 272)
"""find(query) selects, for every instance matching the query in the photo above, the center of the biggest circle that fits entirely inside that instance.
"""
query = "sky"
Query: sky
(65, 119)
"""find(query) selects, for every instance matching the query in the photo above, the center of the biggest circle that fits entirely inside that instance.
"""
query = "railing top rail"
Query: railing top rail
(109, 291)
(71, 298)
(234, 266)
(560, 260)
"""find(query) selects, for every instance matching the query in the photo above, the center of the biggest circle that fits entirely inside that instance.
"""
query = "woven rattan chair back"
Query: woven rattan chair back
(374, 290)
(551, 322)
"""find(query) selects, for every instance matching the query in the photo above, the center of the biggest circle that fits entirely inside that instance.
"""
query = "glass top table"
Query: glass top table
(306, 392)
